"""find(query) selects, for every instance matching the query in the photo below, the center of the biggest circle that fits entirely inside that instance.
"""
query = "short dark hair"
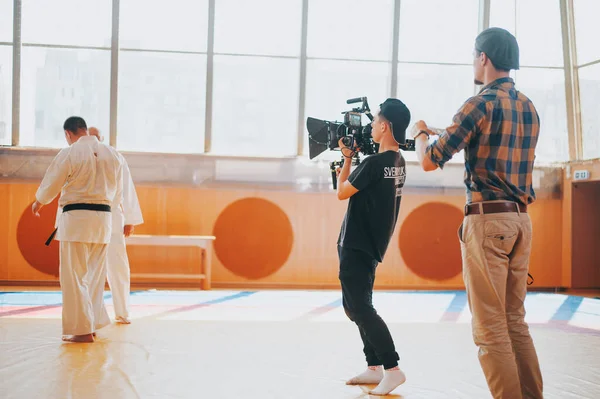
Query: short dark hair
(74, 123)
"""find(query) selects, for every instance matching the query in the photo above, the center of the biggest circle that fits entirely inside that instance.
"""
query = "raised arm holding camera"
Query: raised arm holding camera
(375, 191)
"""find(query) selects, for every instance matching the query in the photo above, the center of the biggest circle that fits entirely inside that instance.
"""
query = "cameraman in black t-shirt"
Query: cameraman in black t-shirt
(375, 191)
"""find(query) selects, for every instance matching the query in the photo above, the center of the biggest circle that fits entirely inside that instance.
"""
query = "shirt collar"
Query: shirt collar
(498, 82)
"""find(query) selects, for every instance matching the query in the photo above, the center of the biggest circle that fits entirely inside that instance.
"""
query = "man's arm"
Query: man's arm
(132, 213)
(455, 138)
(345, 189)
(421, 144)
(53, 181)
(117, 200)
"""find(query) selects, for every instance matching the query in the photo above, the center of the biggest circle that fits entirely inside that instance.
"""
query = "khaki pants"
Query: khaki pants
(495, 253)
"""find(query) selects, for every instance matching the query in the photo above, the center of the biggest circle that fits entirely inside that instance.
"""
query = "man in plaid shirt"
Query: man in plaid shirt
(498, 129)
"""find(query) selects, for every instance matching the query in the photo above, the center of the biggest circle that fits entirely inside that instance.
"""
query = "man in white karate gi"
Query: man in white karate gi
(89, 176)
(126, 214)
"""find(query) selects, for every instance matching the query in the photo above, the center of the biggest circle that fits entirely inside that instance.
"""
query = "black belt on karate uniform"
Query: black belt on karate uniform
(77, 207)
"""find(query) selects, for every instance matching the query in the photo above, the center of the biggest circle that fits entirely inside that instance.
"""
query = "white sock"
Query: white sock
(371, 375)
(392, 379)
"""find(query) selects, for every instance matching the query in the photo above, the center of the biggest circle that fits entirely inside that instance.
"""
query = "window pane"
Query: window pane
(330, 83)
(255, 106)
(173, 25)
(445, 35)
(58, 83)
(67, 22)
(546, 89)
(161, 102)
(586, 29)
(589, 89)
(434, 93)
(540, 44)
(539, 32)
(6, 20)
(331, 35)
(503, 14)
(265, 27)
(5, 95)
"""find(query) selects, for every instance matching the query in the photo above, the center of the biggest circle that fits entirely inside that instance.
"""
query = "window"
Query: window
(350, 29)
(86, 72)
(176, 25)
(434, 93)
(151, 86)
(255, 106)
(587, 30)
(5, 95)
(446, 35)
(258, 27)
(546, 89)
(589, 88)
(256, 77)
(537, 27)
(67, 22)
(6, 21)
(330, 83)
(503, 14)
(540, 45)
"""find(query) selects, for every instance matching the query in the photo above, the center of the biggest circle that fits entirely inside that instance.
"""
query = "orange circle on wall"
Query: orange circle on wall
(254, 238)
(32, 233)
(428, 241)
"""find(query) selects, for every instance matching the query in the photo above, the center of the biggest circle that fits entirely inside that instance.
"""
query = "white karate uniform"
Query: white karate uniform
(86, 172)
(125, 210)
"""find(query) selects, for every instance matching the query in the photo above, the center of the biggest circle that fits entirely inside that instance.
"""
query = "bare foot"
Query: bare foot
(123, 320)
(80, 338)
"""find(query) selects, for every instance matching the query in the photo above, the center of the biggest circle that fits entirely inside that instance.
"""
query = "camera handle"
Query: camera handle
(340, 163)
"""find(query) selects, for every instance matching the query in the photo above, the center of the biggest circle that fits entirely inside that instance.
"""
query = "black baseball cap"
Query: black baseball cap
(500, 46)
(398, 114)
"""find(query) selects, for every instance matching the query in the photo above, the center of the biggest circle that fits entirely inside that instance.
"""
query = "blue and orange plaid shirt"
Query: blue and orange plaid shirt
(498, 129)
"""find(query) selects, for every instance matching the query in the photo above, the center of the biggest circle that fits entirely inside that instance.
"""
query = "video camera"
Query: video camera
(323, 135)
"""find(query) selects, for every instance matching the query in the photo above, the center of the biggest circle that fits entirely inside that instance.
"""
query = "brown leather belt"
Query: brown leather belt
(495, 207)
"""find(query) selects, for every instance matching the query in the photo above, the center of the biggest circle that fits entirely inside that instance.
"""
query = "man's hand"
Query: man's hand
(95, 132)
(345, 149)
(420, 125)
(128, 230)
(421, 143)
(35, 208)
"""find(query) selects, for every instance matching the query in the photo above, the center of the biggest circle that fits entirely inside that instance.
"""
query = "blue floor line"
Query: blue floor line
(568, 308)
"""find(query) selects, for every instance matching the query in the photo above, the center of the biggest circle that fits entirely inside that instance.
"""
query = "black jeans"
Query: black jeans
(357, 275)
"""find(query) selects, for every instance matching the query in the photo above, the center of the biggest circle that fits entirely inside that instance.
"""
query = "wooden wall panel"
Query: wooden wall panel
(586, 235)
(315, 219)
(4, 230)
(593, 166)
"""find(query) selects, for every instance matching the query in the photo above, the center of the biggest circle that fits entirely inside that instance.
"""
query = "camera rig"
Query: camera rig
(324, 135)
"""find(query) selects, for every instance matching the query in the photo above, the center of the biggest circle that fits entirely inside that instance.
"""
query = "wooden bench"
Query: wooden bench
(203, 242)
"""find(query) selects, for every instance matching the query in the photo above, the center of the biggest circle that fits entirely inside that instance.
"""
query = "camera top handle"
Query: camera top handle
(364, 108)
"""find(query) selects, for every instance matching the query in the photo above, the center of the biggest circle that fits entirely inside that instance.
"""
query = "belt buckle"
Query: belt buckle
(466, 209)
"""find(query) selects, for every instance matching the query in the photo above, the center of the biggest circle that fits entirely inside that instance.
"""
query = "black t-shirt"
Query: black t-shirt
(372, 212)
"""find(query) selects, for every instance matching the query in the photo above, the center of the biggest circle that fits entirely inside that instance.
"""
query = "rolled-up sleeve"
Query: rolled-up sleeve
(456, 137)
